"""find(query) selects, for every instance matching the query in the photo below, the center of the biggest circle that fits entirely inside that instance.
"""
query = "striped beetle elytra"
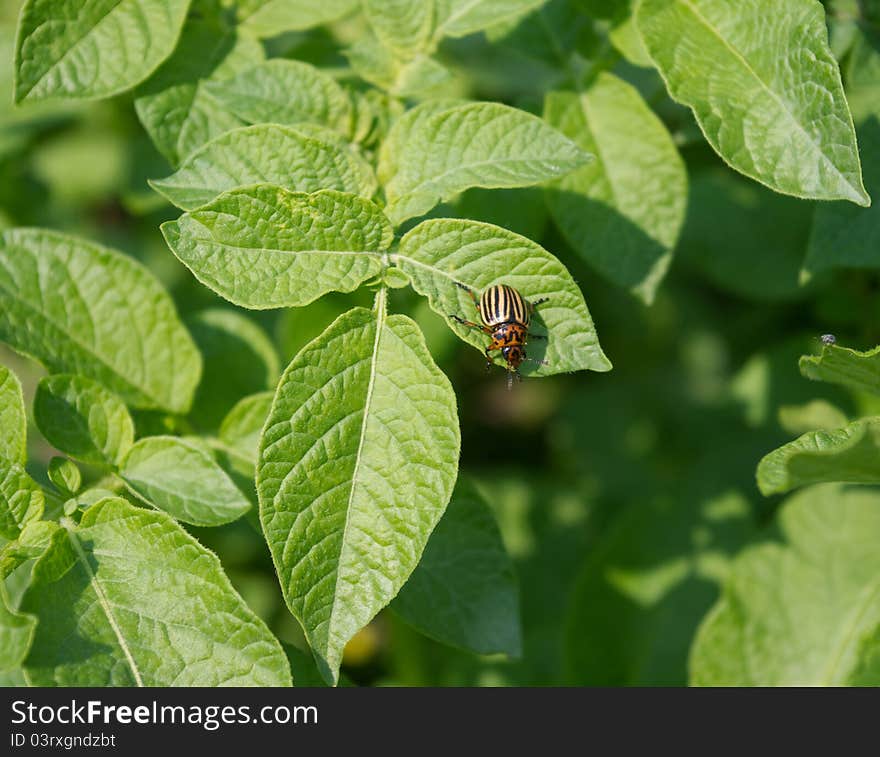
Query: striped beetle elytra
(505, 316)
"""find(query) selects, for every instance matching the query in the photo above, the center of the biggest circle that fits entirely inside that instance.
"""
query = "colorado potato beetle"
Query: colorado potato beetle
(505, 316)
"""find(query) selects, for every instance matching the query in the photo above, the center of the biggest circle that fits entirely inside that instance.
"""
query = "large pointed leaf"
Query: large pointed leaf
(764, 87)
(439, 149)
(439, 254)
(128, 598)
(81, 418)
(265, 153)
(180, 478)
(284, 92)
(850, 454)
(844, 366)
(13, 423)
(464, 590)
(265, 247)
(21, 499)
(622, 212)
(81, 308)
(357, 463)
(804, 610)
(92, 48)
(174, 106)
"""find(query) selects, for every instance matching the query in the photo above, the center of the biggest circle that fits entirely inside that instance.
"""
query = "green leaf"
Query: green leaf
(844, 236)
(21, 499)
(82, 308)
(180, 478)
(440, 148)
(624, 211)
(850, 454)
(268, 18)
(744, 238)
(68, 48)
(843, 366)
(438, 254)
(239, 359)
(16, 634)
(33, 540)
(174, 105)
(81, 418)
(404, 27)
(128, 598)
(767, 96)
(458, 18)
(265, 153)
(801, 610)
(357, 463)
(464, 590)
(13, 422)
(375, 63)
(284, 92)
(242, 427)
(265, 247)
(64, 474)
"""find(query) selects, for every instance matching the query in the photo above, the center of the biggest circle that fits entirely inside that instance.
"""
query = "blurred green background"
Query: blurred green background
(620, 496)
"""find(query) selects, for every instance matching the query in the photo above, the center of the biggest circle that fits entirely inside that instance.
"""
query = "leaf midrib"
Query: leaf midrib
(871, 593)
(105, 604)
(380, 325)
(782, 105)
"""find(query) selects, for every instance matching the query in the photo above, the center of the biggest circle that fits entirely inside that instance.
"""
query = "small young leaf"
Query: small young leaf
(268, 18)
(849, 454)
(82, 419)
(265, 247)
(843, 366)
(81, 308)
(284, 92)
(375, 63)
(802, 611)
(33, 540)
(241, 429)
(21, 499)
(464, 590)
(624, 211)
(767, 96)
(458, 18)
(439, 149)
(404, 27)
(128, 598)
(174, 105)
(441, 253)
(181, 479)
(13, 422)
(239, 359)
(65, 475)
(70, 48)
(16, 634)
(357, 463)
(265, 153)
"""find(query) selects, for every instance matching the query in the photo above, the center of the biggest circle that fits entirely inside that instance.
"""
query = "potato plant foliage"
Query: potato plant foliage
(244, 439)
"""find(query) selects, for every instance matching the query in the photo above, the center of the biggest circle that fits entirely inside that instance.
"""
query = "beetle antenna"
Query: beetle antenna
(535, 360)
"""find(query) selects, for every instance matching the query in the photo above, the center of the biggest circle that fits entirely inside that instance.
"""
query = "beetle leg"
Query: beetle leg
(538, 336)
(535, 360)
(509, 380)
(471, 292)
(471, 324)
(539, 301)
